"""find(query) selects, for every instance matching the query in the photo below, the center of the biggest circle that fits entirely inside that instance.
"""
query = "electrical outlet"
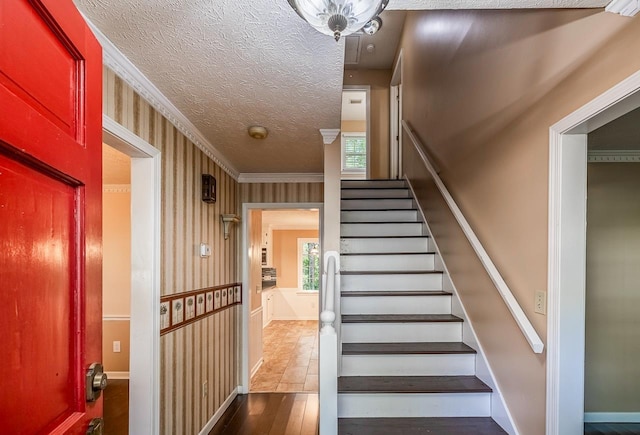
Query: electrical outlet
(116, 346)
(540, 303)
(205, 389)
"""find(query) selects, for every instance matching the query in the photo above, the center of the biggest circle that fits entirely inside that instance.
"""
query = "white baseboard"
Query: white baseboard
(207, 427)
(255, 369)
(117, 375)
(612, 417)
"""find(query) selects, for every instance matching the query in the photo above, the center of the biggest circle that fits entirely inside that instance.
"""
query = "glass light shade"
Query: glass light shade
(338, 17)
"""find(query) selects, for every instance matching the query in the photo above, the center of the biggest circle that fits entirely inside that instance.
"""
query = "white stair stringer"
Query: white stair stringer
(397, 322)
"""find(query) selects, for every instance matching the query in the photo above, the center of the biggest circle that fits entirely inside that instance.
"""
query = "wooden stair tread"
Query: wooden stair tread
(419, 426)
(382, 222)
(379, 209)
(376, 198)
(356, 294)
(384, 237)
(374, 188)
(398, 318)
(417, 348)
(411, 384)
(391, 272)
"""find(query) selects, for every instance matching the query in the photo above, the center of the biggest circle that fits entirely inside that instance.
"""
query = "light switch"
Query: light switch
(205, 250)
(116, 346)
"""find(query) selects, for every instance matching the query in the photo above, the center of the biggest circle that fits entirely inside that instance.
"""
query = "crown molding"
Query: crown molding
(255, 177)
(116, 188)
(613, 156)
(626, 8)
(113, 58)
(329, 135)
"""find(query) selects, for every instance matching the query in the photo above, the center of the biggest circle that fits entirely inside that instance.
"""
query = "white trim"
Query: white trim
(144, 364)
(519, 316)
(117, 375)
(567, 251)
(612, 417)
(395, 114)
(613, 156)
(367, 90)
(329, 135)
(220, 412)
(246, 291)
(626, 8)
(353, 171)
(127, 71)
(116, 188)
(272, 177)
(255, 369)
(499, 410)
(115, 318)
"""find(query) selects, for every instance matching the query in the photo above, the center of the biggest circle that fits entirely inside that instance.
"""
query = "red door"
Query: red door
(50, 217)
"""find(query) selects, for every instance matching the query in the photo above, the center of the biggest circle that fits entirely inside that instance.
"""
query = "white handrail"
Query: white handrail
(516, 311)
(328, 363)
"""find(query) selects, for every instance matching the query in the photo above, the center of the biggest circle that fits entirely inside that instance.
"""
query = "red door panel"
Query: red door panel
(50, 216)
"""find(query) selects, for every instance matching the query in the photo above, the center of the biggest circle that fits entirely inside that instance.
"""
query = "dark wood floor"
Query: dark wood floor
(270, 413)
(612, 429)
(116, 407)
(419, 426)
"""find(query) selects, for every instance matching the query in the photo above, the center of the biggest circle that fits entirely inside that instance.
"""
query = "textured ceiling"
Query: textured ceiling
(229, 64)
(494, 4)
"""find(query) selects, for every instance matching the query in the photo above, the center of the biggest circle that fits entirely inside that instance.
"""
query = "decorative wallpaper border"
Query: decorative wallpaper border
(181, 309)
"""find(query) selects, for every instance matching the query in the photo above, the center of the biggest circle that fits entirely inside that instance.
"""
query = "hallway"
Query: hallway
(290, 358)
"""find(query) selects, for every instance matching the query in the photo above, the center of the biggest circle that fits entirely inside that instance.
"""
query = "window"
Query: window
(308, 264)
(354, 152)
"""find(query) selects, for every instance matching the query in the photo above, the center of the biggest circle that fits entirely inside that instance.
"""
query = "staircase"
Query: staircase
(404, 367)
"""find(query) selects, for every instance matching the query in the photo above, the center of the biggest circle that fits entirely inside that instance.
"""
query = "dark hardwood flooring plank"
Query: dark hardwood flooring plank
(398, 318)
(411, 384)
(297, 415)
(310, 419)
(419, 426)
(116, 407)
(281, 419)
(405, 348)
(612, 429)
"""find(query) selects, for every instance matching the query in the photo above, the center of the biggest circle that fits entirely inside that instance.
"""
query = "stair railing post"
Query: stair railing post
(328, 355)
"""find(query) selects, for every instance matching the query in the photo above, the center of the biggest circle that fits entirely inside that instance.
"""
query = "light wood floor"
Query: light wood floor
(270, 413)
(290, 351)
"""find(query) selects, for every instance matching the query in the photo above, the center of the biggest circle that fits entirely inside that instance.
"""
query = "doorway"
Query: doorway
(354, 133)
(281, 283)
(567, 252)
(395, 160)
(144, 277)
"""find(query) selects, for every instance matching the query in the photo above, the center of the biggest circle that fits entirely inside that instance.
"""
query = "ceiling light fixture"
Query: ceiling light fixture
(339, 17)
(258, 132)
(372, 26)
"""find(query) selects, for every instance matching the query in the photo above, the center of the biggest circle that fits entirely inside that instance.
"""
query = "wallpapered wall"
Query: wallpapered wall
(281, 192)
(205, 350)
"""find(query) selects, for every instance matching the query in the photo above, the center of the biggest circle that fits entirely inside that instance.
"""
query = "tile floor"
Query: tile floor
(290, 351)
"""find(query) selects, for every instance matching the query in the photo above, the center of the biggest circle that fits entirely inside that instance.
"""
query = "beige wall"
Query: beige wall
(482, 95)
(379, 81)
(285, 255)
(116, 251)
(207, 349)
(255, 258)
(612, 372)
(353, 126)
(115, 330)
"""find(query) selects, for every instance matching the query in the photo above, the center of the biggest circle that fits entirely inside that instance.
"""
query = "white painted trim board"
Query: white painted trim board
(220, 412)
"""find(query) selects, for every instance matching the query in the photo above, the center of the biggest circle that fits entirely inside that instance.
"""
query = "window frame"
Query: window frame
(300, 242)
(343, 153)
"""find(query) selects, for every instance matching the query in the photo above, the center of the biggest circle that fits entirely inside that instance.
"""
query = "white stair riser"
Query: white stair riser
(382, 229)
(369, 184)
(376, 204)
(424, 262)
(414, 405)
(375, 193)
(396, 305)
(379, 216)
(418, 281)
(387, 246)
(409, 365)
(401, 332)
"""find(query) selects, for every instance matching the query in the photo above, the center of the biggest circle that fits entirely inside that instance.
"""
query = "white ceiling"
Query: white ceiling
(230, 64)
(291, 219)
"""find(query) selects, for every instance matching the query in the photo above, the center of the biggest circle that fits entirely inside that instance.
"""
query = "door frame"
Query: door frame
(144, 359)
(366, 89)
(395, 120)
(567, 252)
(246, 295)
